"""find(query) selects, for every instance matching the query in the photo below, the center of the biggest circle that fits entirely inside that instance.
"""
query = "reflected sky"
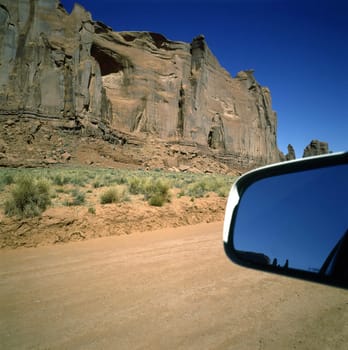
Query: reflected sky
(297, 217)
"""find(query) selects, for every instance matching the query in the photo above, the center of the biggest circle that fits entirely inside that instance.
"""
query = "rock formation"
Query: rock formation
(179, 92)
(47, 70)
(316, 148)
(82, 77)
(291, 153)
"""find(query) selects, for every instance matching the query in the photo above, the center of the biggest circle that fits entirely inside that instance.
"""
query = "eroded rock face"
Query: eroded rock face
(87, 77)
(46, 67)
(316, 148)
(179, 92)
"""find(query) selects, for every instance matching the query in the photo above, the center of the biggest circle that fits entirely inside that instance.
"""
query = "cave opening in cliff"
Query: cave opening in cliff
(107, 61)
(216, 138)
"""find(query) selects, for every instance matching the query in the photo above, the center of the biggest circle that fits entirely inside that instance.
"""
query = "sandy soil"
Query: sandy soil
(66, 224)
(168, 289)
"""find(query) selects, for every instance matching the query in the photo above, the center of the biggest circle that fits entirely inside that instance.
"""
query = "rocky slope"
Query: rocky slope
(64, 74)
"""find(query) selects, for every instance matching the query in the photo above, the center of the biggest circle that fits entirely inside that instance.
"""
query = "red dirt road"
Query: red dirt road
(171, 289)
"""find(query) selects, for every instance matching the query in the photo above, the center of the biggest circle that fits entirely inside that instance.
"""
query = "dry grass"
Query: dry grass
(90, 186)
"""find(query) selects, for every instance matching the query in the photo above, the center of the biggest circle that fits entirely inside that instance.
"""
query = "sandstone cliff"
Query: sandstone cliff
(79, 75)
(46, 67)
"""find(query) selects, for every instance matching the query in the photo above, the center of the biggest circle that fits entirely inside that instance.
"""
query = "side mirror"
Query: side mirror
(292, 219)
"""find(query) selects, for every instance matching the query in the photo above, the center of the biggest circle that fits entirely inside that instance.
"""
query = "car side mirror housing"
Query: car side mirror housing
(291, 219)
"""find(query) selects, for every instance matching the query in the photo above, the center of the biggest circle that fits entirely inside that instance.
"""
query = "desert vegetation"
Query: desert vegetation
(28, 192)
(28, 197)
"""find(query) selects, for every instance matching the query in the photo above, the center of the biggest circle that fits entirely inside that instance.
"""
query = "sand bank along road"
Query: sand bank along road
(170, 289)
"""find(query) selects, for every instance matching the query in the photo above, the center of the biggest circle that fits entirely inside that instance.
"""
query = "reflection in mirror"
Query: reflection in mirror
(296, 221)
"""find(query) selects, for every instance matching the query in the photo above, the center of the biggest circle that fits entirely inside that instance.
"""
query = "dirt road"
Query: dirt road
(170, 289)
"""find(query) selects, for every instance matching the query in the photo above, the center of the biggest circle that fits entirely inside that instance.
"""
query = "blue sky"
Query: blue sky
(298, 48)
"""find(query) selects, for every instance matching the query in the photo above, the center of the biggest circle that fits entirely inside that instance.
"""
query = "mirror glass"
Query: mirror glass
(295, 221)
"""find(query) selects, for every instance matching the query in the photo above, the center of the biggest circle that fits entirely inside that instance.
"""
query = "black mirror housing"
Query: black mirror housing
(291, 219)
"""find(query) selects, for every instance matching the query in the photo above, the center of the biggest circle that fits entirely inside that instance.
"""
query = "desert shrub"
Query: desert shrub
(157, 192)
(60, 180)
(157, 200)
(202, 186)
(92, 210)
(222, 185)
(135, 185)
(109, 196)
(114, 195)
(28, 198)
(78, 181)
(181, 194)
(109, 179)
(7, 179)
(75, 177)
(223, 190)
(121, 180)
(196, 189)
(98, 183)
(90, 175)
(78, 198)
(60, 190)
